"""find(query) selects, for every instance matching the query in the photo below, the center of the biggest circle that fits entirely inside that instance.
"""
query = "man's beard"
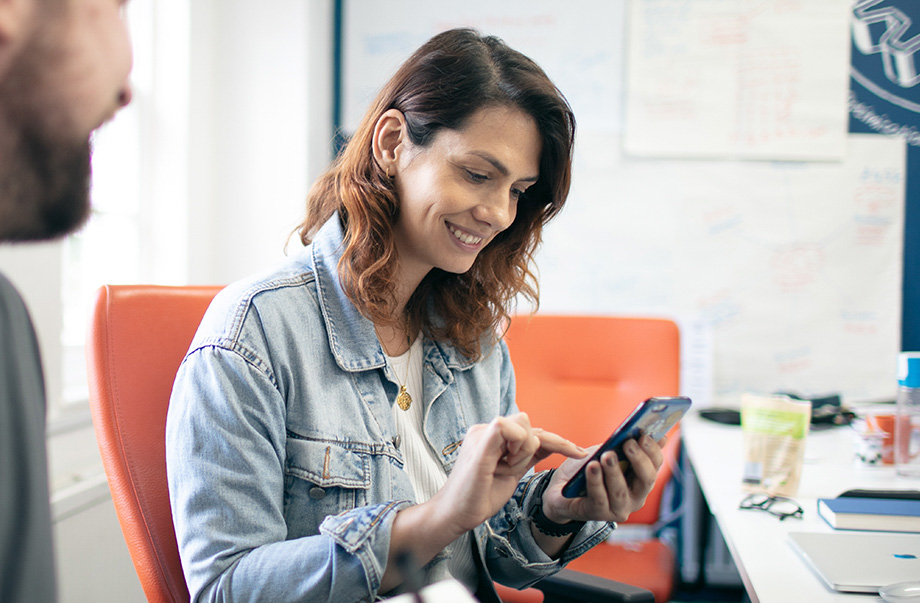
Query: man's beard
(44, 176)
(44, 186)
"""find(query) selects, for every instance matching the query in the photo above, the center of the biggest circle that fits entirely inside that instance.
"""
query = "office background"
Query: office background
(240, 115)
(715, 180)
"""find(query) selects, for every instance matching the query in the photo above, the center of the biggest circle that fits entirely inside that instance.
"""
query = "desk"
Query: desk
(771, 570)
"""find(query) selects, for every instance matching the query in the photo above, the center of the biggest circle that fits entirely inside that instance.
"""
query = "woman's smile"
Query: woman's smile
(469, 240)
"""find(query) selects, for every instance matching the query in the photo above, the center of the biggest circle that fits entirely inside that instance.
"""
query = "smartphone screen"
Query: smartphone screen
(655, 417)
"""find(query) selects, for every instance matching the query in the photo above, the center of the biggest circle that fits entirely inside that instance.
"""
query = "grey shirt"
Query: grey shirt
(26, 554)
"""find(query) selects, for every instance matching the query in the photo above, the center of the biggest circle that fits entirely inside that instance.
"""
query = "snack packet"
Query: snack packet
(775, 428)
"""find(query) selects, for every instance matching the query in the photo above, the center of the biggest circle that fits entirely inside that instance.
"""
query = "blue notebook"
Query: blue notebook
(883, 514)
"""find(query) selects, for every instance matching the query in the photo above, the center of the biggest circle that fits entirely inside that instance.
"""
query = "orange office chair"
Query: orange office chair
(580, 376)
(137, 339)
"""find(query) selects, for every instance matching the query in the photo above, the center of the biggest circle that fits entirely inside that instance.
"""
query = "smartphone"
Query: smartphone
(655, 417)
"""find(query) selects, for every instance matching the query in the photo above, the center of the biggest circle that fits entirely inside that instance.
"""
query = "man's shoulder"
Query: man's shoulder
(13, 309)
(19, 353)
(7, 290)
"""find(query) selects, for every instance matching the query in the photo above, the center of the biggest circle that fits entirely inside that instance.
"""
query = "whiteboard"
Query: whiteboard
(788, 272)
(794, 266)
(379, 36)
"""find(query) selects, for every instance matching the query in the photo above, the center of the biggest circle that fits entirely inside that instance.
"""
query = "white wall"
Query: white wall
(93, 564)
(261, 104)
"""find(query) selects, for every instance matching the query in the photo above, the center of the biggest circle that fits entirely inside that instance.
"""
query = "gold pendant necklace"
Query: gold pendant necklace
(403, 399)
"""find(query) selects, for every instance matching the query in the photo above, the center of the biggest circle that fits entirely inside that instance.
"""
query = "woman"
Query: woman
(356, 406)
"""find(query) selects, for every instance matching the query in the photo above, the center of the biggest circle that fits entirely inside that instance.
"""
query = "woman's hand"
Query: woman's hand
(611, 494)
(493, 459)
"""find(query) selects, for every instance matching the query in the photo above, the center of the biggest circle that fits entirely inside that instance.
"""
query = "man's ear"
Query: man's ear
(389, 139)
(16, 24)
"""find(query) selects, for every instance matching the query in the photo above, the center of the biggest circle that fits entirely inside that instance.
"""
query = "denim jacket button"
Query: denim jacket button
(317, 493)
(397, 441)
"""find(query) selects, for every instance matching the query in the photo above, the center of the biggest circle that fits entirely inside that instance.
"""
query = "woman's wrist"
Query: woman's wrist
(556, 527)
(440, 517)
(422, 531)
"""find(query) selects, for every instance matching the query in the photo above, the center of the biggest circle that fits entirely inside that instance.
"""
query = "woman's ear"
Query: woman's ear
(389, 138)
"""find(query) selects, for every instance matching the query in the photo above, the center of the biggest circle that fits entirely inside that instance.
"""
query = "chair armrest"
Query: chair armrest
(569, 586)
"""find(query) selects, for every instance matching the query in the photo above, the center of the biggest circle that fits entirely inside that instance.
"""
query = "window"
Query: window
(139, 186)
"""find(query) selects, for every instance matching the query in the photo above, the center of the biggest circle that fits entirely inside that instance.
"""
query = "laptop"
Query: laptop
(860, 562)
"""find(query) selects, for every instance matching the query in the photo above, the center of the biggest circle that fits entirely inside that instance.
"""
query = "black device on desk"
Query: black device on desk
(826, 411)
(897, 494)
(726, 416)
(655, 417)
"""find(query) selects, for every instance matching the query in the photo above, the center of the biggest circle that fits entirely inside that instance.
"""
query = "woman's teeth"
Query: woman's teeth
(466, 238)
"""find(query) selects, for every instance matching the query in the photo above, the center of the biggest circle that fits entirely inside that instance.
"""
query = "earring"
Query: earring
(388, 172)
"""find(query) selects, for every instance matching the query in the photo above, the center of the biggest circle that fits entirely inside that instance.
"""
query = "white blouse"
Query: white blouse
(425, 471)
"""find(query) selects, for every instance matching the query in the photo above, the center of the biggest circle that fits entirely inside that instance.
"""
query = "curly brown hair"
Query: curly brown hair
(441, 85)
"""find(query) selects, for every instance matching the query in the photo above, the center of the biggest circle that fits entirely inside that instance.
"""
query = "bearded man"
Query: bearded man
(64, 67)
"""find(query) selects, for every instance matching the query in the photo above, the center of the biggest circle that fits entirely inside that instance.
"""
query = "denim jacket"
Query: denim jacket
(284, 468)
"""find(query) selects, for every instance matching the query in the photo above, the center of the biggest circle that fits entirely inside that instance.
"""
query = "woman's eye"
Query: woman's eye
(476, 176)
(516, 193)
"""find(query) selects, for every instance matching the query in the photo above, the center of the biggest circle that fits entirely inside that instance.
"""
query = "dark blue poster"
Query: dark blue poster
(885, 99)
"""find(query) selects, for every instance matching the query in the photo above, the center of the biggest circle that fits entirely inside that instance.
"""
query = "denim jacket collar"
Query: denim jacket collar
(352, 338)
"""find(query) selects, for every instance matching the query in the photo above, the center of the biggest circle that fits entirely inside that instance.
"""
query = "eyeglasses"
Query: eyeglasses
(778, 506)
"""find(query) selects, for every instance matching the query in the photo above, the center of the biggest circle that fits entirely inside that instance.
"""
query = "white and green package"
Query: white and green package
(775, 428)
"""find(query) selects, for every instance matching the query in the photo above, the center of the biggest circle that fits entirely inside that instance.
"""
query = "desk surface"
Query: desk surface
(759, 544)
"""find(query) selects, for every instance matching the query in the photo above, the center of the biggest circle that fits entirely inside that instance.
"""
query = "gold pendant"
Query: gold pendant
(404, 399)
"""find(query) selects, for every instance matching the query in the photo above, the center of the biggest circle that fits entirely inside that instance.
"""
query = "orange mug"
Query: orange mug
(886, 425)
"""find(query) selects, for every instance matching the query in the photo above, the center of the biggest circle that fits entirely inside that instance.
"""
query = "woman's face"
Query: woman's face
(462, 189)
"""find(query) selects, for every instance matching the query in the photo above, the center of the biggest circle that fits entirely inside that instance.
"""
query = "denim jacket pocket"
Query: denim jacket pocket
(323, 478)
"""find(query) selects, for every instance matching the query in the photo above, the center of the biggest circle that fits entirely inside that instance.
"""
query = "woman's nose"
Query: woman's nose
(496, 210)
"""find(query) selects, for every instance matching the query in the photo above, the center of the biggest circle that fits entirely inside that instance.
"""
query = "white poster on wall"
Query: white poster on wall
(738, 79)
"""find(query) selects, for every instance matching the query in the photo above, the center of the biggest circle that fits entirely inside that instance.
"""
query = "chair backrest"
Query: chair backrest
(138, 336)
(580, 376)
